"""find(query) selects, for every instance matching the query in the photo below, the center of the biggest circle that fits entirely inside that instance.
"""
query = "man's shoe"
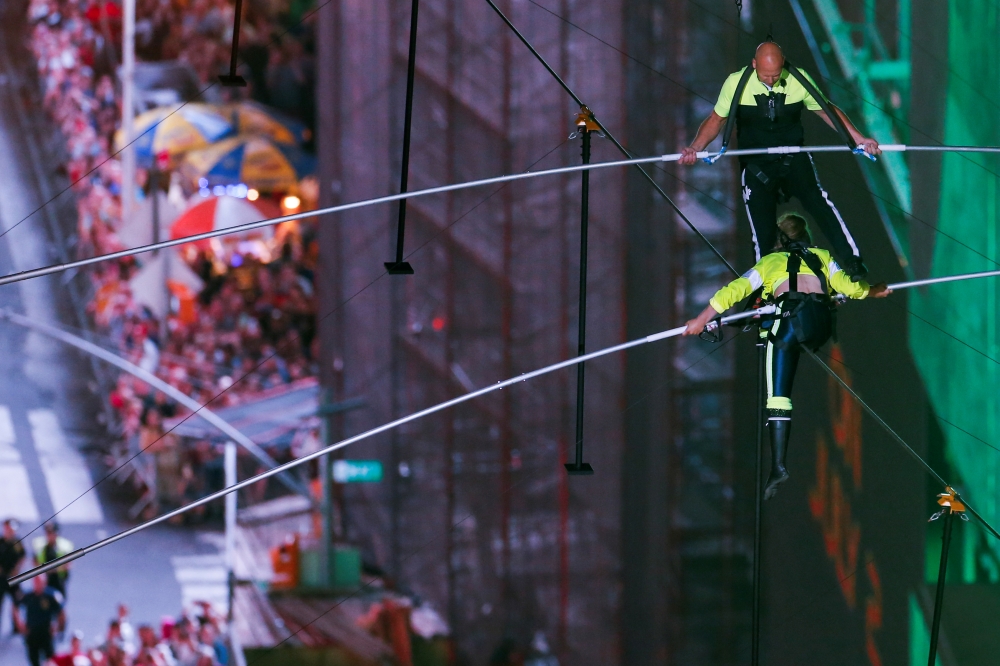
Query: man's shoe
(856, 269)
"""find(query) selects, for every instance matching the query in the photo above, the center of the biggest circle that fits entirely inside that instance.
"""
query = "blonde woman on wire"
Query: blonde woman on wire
(801, 279)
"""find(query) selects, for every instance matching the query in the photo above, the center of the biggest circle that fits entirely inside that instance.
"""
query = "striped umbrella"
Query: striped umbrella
(175, 130)
(255, 161)
(223, 212)
(253, 118)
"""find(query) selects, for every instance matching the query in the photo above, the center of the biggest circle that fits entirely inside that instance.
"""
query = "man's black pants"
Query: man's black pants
(57, 581)
(40, 647)
(6, 590)
(795, 177)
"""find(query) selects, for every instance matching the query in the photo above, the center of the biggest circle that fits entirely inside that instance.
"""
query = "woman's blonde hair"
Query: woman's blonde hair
(793, 227)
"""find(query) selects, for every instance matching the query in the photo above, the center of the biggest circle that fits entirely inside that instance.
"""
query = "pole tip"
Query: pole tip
(398, 268)
(579, 469)
(232, 81)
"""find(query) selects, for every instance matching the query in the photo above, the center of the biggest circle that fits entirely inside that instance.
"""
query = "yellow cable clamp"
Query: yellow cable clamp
(585, 121)
(949, 500)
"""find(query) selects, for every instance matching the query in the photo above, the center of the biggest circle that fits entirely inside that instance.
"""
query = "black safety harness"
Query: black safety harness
(734, 106)
(813, 315)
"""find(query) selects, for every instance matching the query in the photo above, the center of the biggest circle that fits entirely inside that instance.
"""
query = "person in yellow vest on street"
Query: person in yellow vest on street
(48, 548)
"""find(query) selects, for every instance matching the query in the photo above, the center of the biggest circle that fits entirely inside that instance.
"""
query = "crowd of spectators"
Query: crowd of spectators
(254, 330)
(275, 49)
(252, 326)
(76, 44)
(194, 639)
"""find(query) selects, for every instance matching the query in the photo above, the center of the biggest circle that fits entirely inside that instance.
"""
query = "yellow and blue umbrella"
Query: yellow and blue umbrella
(253, 118)
(176, 129)
(255, 161)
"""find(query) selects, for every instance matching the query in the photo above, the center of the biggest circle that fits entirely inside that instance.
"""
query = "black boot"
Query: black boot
(780, 430)
(856, 269)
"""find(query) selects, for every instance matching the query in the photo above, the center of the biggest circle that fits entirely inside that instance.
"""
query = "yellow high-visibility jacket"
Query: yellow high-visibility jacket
(63, 547)
(772, 270)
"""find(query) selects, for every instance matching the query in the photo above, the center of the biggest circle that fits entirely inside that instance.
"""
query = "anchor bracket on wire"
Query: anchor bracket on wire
(952, 503)
(585, 122)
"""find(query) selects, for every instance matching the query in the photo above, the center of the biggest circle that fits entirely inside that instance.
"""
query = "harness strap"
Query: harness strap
(805, 82)
(796, 256)
(734, 106)
(814, 264)
(798, 304)
(793, 271)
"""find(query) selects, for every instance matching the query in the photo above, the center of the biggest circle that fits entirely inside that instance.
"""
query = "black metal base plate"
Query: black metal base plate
(399, 268)
(583, 469)
(231, 81)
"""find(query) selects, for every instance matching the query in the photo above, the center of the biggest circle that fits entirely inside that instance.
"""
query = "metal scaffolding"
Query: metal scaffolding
(686, 594)
(476, 514)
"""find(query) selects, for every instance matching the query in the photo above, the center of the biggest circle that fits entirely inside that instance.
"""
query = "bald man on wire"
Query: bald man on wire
(769, 114)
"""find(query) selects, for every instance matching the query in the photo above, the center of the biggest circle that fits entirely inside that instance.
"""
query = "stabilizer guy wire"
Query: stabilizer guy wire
(611, 137)
(937, 416)
(76, 554)
(343, 304)
(906, 447)
(519, 484)
(781, 150)
(825, 76)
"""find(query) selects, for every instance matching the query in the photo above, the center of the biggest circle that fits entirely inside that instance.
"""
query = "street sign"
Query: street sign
(357, 471)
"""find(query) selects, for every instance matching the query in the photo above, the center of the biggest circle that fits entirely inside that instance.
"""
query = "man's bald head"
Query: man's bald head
(768, 61)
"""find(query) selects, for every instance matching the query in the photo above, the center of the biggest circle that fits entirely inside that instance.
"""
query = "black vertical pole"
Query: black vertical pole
(578, 466)
(758, 500)
(232, 79)
(400, 267)
(949, 517)
(154, 192)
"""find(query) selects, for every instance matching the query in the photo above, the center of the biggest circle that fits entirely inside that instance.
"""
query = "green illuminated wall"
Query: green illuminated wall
(964, 383)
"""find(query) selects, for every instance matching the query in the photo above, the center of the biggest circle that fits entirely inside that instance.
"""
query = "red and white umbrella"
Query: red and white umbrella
(223, 212)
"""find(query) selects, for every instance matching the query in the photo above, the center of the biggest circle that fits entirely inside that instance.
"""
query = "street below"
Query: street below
(49, 439)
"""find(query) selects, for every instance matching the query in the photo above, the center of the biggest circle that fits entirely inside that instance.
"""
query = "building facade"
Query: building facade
(649, 560)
